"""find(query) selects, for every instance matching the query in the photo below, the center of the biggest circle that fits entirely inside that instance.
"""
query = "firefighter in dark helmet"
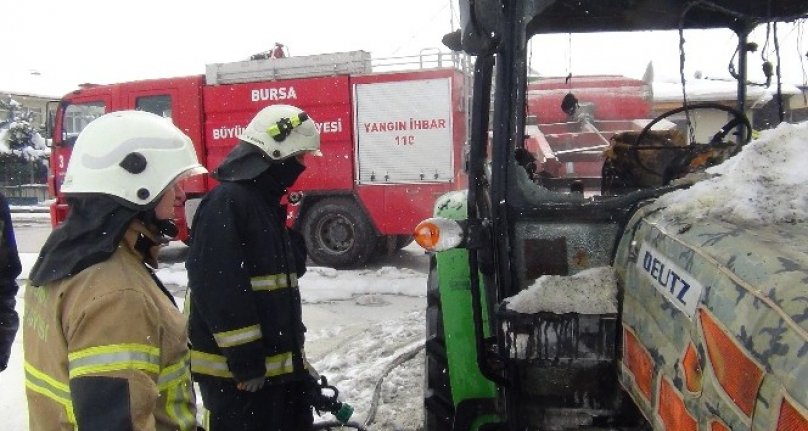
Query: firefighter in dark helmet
(106, 347)
(243, 268)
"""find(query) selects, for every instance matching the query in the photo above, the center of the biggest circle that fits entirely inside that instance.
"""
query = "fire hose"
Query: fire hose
(329, 403)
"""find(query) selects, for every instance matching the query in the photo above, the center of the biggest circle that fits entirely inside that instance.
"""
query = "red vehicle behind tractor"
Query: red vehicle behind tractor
(391, 140)
(393, 134)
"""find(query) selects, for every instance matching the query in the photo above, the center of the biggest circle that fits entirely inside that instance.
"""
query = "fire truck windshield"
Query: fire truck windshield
(76, 116)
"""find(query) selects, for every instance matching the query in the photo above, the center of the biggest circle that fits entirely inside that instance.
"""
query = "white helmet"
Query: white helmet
(132, 155)
(283, 131)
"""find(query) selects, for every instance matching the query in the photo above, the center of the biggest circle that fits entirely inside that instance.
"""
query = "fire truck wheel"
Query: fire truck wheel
(438, 407)
(338, 234)
(403, 241)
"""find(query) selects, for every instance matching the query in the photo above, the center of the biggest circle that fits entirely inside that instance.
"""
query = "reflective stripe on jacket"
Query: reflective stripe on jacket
(110, 322)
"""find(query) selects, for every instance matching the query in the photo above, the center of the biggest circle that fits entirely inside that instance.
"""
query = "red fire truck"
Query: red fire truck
(392, 135)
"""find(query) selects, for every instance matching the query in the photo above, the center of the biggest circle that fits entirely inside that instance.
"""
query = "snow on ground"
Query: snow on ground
(359, 322)
(375, 348)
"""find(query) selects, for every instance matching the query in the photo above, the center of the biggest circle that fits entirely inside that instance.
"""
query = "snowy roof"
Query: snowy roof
(34, 83)
(699, 90)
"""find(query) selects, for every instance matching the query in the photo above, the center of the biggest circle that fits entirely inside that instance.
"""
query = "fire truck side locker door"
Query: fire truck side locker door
(404, 148)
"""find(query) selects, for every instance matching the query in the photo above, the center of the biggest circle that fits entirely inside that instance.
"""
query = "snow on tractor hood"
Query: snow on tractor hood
(761, 184)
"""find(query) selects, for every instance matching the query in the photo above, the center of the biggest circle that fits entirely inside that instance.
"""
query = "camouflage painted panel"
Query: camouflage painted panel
(452, 205)
(738, 294)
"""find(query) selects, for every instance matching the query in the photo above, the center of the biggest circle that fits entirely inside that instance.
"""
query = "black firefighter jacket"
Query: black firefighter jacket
(10, 268)
(245, 312)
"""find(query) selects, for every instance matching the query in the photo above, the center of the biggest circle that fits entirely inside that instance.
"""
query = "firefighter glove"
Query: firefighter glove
(252, 385)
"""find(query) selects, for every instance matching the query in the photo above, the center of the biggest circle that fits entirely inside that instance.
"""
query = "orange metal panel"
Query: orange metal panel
(791, 419)
(692, 369)
(672, 410)
(737, 374)
(639, 362)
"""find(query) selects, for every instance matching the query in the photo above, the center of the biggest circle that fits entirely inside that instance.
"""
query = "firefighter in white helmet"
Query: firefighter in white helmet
(105, 345)
(243, 268)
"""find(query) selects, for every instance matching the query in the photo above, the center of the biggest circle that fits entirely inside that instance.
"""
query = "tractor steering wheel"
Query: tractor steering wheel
(738, 120)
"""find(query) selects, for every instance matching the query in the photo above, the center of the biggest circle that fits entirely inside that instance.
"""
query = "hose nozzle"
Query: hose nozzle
(327, 401)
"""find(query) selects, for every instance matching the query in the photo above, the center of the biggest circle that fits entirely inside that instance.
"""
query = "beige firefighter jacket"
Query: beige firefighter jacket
(109, 320)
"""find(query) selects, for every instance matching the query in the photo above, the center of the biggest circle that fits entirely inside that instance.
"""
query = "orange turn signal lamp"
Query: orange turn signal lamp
(438, 234)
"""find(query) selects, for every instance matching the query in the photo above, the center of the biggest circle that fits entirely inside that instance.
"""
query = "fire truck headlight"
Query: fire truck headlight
(438, 234)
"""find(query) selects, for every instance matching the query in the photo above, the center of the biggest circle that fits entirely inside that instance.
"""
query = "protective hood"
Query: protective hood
(286, 172)
(92, 231)
(245, 161)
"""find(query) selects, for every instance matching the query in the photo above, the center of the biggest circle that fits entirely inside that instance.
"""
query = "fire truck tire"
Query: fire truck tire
(403, 241)
(386, 245)
(438, 407)
(338, 234)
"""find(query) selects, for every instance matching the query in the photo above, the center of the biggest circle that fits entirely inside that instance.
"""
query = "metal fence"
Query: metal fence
(26, 194)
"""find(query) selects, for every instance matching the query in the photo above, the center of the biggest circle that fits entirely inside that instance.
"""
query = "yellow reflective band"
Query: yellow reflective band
(272, 282)
(175, 382)
(209, 364)
(57, 385)
(216, 365)
(279, 364)
(186, 307)
(178, 399)
(175, 373)
(238, 337)
(47, 386)
(205, 418)
(284, 126)
(114, 357)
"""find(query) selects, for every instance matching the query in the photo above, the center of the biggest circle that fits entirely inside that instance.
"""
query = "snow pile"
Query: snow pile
(355, 367)
(592, 291)
(18, 136)
(763, 183)
(21, 140)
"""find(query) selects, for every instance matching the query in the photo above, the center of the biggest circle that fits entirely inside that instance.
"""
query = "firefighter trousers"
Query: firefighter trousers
(275, 407)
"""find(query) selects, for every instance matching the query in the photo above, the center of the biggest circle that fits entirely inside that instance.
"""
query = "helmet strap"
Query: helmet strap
(167, 228)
